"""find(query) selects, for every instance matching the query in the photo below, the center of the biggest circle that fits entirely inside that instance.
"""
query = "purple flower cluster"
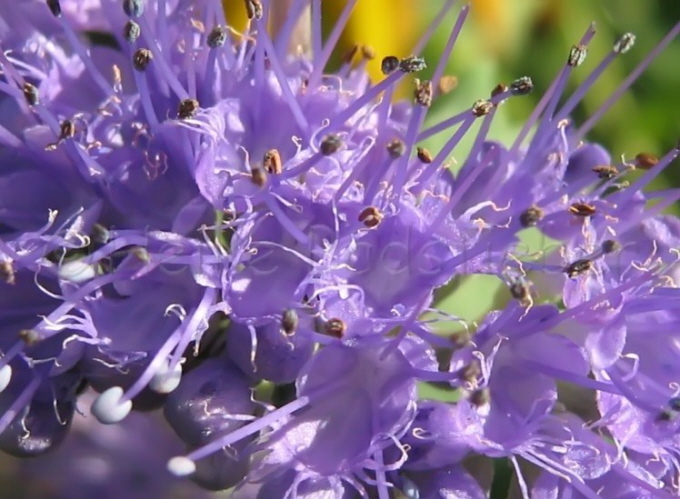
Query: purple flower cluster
(196, 219)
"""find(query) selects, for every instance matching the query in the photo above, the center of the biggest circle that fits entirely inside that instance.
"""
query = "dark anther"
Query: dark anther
(187, 108)
(674, 404)
(625, 43)
(7, 272)
(217, 37)
(131, 31)
(370, 217)
(482, 108)
(424, 155)
(335, 327)
(141, 59)
(330, 144)
(289, 322)
(254, 9)
(522, 86)
(422, 95)
(133, 8)
(578, 267)
(610, 246)
(396, 148)
(55, 7)
(258, 176)
(531, 216)
(606, 172)
(499, 89)
(67, 130)
(412, 64)
(520, 291)
(646, 160)
(582, 209)
(29, 336)
(577, 55)
(470, 372)
(31, 94)
(389, 65)
(272, 162)
(480, 397)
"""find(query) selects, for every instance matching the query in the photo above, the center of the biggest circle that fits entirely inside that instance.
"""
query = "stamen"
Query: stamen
(335, 327)
(370, 217)
(254, 9)
(217, 37)
(446, 84)
(187, 108)
(412, 64)
(577, 55)
(55, 7)
(141, 59)
(582, 209)
(625, 43)
(578, 267)
(131, 31)
(645, 160)
(424, 155)
(133, 8)
(167, 378)
(108, 408)
(531, 216)
(5, 377)
(258, 176)
(609, 246)
(330, 144)
(522, 86)
(31, 94)
(606, 172)
(289, 322)
(272, 162)
(7, 272)
(422, 95)
(482, 108)
(389, 65)
(396, 148)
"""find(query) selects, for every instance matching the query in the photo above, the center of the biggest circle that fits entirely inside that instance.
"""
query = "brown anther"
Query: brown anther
(446, 84)
(141, 253)
(396, 148)
(482, 108)
(141, 59)
(228, 215)
(258, 176)
(609, 246)
(67, 130)
(520, 291)
(335, 327)
(499, 89)
(646, 160)
(422, 94)
(7, 272)
(289, 322)
(480, 397)
(606, 172)
(368, 52)
(578, 267)
(31, 94)
(349, 55)
(470, 372)
(187, 109)
(522, 86)
(29, 336)
(582, 209)
(330, 144)
(424, 155)
(254, 9)
(370, 217)
(531, 216)
(272, 162)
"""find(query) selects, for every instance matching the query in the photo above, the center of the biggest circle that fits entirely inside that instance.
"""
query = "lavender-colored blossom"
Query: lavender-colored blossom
(203, 220)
